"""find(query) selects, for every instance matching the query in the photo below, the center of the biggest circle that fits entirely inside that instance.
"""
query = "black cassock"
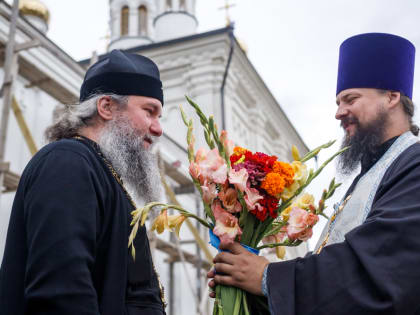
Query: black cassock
(66, 248)
(376, 270)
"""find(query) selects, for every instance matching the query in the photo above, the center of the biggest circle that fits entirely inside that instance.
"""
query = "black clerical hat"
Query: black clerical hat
(376, 60)
(123, 74)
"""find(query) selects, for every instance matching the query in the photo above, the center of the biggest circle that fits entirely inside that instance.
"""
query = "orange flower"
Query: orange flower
(273, 184)
(286, 170)
(239, 151)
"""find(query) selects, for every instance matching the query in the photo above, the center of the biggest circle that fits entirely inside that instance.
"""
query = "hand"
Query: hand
(238, 268)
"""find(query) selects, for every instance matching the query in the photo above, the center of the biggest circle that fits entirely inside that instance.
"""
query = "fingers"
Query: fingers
(212, 284)
(211, 274)
(222, 268)
(224, 280)
(212, 287)
(224, 257)
(234, 248)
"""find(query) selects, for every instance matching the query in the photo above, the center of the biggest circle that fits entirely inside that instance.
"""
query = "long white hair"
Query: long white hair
(68, 119)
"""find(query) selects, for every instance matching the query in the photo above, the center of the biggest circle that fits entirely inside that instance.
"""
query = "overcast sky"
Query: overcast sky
(293, 45)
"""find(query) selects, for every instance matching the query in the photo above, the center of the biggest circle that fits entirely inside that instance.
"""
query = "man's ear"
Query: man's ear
(394, 99)
(105, 107)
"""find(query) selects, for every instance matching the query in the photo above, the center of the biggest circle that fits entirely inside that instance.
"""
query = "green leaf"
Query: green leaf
(184, 117)
(315, 151)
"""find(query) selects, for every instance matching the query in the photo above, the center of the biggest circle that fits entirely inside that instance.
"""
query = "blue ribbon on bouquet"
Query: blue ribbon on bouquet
(215, 242)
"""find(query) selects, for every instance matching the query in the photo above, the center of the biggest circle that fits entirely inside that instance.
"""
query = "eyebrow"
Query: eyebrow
(347, 96)
(156, 108)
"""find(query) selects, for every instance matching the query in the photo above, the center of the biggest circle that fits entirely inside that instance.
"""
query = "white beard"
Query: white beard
(123, 146)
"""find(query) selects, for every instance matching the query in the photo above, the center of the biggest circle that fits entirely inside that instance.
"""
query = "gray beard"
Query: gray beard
(123, 146)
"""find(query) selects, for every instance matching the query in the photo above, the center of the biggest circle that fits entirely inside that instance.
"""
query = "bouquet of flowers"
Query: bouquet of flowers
(252, 198)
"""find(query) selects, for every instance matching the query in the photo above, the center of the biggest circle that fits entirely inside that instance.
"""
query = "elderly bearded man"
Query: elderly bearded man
(367, 259)
(66, 248)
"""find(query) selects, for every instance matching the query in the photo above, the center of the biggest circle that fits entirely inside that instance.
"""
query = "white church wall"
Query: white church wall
(37, 108)
(181, 24)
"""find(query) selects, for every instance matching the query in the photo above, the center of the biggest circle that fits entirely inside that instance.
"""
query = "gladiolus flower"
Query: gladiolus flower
(305, 201)
(200, 155)
(209, 192)
(161, 222)
(301, 172)
(251, 198)
(238, 178)
(286, 213)
(227, 227)
(228, 144)
(175, 222)
(211, 166)
(194, 170)
(288, 192)
(295, 153)
(300, 224)
(229, 198)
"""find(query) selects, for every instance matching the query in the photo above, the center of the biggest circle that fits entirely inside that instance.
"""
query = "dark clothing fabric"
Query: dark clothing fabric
(66, 247)
(375, 270)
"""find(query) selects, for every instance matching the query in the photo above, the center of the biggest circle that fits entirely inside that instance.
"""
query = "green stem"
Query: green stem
(245, 304)
(238, 299)
(217, 305)
(285, 243)
(182, 211)
(325, 216)
(254, 241)
(275, 229)
(315, 151)
(314, 175)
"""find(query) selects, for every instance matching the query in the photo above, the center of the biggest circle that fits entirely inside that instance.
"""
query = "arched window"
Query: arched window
(142, 20)
(168, 5)
(125, 12)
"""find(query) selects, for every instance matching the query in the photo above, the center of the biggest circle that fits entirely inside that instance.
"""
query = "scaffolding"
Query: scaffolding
(9, 180)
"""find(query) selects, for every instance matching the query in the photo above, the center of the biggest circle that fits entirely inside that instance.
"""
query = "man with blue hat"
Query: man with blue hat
(66, 248)
(367, 258)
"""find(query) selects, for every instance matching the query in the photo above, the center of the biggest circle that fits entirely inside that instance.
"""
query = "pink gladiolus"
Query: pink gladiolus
(209, 192)
(200, 155)
(238, 178)
(229, 198)
(305, 234)
(300, 224)
(194, 170)
(228, 144)
(251, 198)
(212, 166)
(227, 227)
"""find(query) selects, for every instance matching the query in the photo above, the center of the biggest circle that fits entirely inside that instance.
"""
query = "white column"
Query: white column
(175, 5)
(133, 20)
(115, 23)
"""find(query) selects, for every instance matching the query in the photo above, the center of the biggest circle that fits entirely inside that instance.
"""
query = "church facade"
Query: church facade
(212, 68)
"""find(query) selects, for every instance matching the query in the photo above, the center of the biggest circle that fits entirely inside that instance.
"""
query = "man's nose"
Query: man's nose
(156, 128)
(340, 113)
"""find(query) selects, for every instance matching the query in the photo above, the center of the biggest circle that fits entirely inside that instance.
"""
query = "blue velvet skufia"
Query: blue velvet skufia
(376, 60)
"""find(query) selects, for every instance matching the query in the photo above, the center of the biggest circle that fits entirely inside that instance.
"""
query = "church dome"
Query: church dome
(34, 8)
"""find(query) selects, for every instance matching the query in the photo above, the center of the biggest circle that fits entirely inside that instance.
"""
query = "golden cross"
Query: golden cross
(226, 7)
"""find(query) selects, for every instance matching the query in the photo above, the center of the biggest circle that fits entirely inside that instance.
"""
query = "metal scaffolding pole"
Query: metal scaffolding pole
(10, 71)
